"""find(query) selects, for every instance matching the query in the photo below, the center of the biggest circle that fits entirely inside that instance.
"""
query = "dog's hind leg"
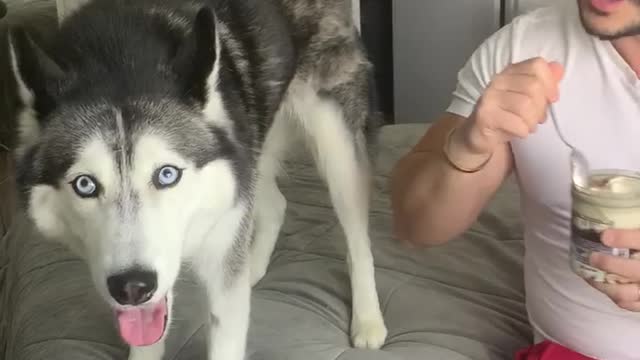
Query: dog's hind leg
(270, 204)
(341, 156)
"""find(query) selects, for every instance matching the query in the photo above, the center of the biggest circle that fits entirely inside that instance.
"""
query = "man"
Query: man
(584, 58)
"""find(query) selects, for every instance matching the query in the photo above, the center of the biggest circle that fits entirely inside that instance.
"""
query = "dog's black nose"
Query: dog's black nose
(133, 287)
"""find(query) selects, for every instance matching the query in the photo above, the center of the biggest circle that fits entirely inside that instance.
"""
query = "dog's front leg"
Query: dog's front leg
(230, 306)
(153, 352)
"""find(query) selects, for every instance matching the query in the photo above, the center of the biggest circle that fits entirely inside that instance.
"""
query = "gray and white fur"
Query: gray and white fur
(151, 134)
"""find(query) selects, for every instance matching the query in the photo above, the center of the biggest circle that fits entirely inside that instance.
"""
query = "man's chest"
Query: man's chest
(601, 119)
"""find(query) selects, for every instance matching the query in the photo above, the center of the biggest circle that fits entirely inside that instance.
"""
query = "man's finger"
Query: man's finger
(557, 70)
(548, 74)
(619, 293)
(627, 268)
(617, 238)
(631, 306)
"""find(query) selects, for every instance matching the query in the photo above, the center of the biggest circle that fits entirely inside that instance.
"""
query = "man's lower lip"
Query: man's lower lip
(605, 6)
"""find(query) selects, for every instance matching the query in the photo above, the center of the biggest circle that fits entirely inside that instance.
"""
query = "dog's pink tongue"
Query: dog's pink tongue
(143, 326)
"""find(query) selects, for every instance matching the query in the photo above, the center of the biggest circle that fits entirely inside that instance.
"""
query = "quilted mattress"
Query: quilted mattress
(459, 301)
(464, 300)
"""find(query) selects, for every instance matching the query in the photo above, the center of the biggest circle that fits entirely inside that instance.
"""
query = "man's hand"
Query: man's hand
(626, 294)
(512, 106)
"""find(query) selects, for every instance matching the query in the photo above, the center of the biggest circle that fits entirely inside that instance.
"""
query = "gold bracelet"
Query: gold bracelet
(445, 150)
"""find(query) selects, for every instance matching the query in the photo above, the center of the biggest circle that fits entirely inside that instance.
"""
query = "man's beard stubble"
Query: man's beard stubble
(629, 30)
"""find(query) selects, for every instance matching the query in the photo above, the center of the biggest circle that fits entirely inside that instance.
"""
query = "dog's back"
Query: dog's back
(265, 43)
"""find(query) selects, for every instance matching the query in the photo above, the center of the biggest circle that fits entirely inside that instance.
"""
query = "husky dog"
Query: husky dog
(151, 133)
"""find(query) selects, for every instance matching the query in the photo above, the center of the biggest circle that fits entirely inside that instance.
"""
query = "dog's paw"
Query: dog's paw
(368, 334)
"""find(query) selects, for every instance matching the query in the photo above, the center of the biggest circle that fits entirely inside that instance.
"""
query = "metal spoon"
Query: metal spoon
(579, 164)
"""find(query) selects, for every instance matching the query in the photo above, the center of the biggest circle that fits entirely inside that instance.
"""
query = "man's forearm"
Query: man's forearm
(433, 201)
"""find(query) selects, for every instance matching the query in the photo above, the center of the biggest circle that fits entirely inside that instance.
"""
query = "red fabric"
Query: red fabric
(549, 351)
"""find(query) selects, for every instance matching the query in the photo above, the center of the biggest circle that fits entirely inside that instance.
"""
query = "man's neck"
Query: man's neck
(629, 48)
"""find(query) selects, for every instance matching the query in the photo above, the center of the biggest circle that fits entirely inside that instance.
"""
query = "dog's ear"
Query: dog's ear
(35, 74)
(196, 56)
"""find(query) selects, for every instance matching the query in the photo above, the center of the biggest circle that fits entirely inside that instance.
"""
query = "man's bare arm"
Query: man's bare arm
(433, 201)
(436, 197)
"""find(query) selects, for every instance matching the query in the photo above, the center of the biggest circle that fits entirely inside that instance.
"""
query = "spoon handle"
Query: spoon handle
(579, 164)
(554, 119)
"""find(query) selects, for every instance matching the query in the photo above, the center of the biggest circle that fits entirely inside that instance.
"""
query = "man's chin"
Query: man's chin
(609, 28)
(609, 34)
(143, 325)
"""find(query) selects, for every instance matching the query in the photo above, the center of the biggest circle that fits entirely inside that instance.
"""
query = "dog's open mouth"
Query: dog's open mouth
(143, 325)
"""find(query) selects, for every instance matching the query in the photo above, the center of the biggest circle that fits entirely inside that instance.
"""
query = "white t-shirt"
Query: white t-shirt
(599, 113)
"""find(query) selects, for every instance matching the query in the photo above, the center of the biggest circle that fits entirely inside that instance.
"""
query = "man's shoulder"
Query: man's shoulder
(553, 32)
(548, 31)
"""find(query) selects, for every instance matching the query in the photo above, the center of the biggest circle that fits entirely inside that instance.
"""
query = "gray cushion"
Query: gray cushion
(460, 301)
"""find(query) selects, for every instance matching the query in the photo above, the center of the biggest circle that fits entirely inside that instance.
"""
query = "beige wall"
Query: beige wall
(355, 8)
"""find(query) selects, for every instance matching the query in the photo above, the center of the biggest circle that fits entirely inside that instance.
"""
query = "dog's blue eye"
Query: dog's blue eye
(85, 186)
(167, 176)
